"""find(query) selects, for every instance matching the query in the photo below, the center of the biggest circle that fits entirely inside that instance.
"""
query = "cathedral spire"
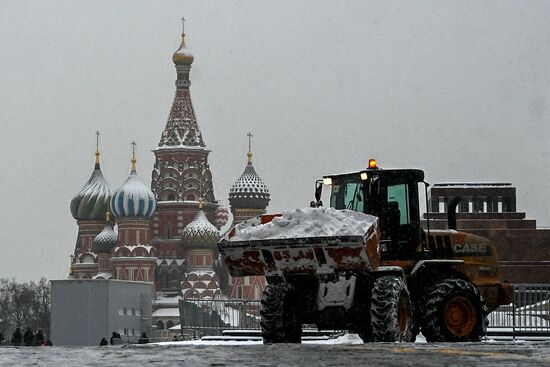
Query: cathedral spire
(182, 130)
(249, 154)
(183, 55)
(97, 154)
(134, 160)
(181, 159)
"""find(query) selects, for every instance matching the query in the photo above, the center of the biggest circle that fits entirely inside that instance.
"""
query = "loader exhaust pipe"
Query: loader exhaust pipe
(318, 191)
(451, 212)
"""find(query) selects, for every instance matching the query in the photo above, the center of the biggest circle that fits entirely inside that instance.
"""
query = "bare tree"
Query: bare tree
(24, 305)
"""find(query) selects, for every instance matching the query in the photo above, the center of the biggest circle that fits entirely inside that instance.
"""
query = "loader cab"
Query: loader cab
(392, 196)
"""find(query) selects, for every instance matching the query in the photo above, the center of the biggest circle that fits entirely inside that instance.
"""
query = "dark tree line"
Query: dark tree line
(23, 305)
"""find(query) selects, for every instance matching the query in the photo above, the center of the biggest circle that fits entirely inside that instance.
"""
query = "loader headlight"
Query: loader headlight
(364, 176)
(327, 181)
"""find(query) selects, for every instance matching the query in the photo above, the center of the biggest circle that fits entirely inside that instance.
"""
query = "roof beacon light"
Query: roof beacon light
(327, 181)
(372, 164)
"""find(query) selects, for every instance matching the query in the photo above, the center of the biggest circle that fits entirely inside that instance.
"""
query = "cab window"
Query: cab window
(347, 196)
(400, 195)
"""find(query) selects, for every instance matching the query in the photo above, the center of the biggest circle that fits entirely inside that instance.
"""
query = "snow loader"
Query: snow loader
(387, 280)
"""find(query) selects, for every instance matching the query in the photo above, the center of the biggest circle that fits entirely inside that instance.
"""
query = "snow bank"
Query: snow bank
(308, 222)
(344, 339)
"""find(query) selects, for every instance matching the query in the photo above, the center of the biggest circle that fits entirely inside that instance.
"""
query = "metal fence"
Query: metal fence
(211, 317)
(528, 316)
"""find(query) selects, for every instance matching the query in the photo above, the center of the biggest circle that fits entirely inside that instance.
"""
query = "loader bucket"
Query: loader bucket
(319, 255)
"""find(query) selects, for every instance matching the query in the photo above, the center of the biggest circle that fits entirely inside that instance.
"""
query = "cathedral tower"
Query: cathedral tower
(133, 205)
(249, 195)
(181, 176)
(103, 245)
(88, 207)
(248, 198)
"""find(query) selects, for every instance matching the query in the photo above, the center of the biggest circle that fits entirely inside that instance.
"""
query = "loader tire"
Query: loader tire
(454, 311)
(391, 311)
(280, 317)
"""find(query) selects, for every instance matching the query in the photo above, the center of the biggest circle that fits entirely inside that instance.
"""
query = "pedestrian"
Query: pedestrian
(48, 343)
(103, 342)
(115, 338)
(1, 337)
(144, 339)
(28, 337)
(38, 338)
(16, 337)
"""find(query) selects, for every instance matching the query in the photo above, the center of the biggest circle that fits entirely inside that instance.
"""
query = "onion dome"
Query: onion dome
(200, 231)
(249, 191)
(133, 198)
(106, 240)
(92, 201)
(183, 56)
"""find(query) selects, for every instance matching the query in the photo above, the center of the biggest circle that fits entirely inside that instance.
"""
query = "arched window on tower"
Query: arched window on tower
(190, 197)
(171, 197)
(168, 231)
(163, 279)
(160, 325)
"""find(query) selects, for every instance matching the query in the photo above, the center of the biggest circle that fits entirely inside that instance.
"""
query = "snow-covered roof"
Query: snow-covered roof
(471, 184)
(249, 191)
(200, 231)
(106, 240)
(167, 312)
(92, 201)
(133, 199)
(103, 275)
(163, 300)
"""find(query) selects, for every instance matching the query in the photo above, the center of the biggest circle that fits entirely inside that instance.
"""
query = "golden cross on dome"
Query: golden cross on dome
(182, 26)
(134, 160)
(97, 147)
(249, 154)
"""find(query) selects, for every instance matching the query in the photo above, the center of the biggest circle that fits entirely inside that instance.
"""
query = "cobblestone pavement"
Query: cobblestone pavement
(379, 354)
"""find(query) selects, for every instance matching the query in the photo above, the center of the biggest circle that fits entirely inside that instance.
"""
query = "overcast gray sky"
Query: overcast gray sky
(459, 89)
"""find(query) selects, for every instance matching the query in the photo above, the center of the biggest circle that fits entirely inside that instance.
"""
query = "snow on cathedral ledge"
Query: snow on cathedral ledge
(308, 222)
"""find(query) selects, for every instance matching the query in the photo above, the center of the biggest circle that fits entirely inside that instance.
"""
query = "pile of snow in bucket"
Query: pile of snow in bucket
(308, 222)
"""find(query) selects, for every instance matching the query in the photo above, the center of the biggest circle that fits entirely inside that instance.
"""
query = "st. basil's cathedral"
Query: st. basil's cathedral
(167, 234)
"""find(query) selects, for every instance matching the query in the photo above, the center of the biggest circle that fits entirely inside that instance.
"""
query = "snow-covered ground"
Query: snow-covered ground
(342, 352)
(349, 339)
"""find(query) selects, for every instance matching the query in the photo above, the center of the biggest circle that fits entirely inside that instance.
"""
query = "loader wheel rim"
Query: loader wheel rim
(403, 314)
(460, 316)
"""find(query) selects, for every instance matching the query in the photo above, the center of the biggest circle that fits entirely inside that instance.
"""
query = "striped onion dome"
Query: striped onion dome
(133, 198)
(200, 231)
(92, 201)
(249, 191)
(106, 240)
